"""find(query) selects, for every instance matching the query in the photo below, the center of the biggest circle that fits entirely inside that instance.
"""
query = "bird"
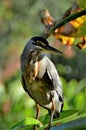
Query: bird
(40, 78)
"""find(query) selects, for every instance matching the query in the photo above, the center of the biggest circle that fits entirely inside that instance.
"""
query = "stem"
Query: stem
(65, 20)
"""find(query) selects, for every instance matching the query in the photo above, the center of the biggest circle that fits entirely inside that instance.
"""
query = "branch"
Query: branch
(64, 21)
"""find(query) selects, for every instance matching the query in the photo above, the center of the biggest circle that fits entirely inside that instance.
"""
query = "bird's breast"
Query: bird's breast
(37, 88)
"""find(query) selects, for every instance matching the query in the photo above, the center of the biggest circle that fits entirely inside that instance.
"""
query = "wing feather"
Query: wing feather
(24, 85)
(51, 77)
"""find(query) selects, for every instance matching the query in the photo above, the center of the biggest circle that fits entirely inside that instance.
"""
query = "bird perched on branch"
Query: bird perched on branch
(40, 78)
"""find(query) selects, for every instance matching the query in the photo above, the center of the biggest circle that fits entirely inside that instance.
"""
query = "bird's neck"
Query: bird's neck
(38, 65)
(41, 56)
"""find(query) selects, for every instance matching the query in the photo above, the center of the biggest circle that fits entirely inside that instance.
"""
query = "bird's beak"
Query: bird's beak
(51, 49)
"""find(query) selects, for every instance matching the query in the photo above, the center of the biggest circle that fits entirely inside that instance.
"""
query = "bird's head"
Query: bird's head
(41, 44)
(34, 47)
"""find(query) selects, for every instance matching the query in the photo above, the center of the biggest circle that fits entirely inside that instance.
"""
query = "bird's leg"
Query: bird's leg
(52, 114)
(37, 111)
(37, 114)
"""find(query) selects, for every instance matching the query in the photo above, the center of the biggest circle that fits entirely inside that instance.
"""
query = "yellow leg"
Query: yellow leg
(37, 111)
(37, 114)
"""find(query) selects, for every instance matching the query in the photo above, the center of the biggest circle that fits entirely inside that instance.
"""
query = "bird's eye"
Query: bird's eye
(39, 43)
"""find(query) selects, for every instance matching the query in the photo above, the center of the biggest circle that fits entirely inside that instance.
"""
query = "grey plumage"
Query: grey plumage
(45, 83)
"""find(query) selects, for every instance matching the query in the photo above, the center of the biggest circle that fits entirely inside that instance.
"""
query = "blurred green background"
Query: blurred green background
(20, 20)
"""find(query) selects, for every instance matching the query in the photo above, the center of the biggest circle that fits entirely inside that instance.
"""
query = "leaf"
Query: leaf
(66, 20)
(66, 113)
(68, 119)
(81, 31)
(45, 119)
(26, 123)
(32, 121)
(65, 116)
(70, 26)
(81, 3)
(17, 126)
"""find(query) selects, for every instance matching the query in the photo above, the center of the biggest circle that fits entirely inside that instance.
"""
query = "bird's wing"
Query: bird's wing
(52, 77)
(24, 85)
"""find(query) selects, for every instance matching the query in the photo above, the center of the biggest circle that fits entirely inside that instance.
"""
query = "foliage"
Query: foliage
(66, 117)
(20, 105)
(18, 22)
(71, 25)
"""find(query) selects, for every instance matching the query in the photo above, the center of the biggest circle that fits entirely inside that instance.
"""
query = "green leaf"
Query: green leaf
(26, 123)
(81, 32)
(45, 119)
(32, 121)
(17, 125)
(68, 120)
(82, 3)
(65, 116)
